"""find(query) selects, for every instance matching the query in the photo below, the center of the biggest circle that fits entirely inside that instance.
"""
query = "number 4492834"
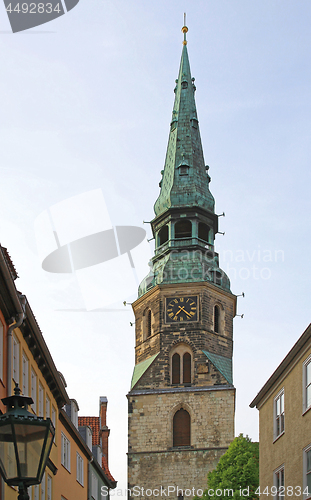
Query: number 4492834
(34, 8)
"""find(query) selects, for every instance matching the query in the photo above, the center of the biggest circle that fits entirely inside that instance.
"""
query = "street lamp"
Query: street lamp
(25, 444)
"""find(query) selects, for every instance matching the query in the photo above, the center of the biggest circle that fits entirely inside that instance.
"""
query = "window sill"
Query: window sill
(306, 411)
(278, 437)
(184, 447)
(66, 468)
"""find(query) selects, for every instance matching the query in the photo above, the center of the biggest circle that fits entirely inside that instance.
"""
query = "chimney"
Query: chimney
(104, 431)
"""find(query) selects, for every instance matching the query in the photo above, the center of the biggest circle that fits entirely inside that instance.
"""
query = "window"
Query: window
(307, 472)
(278, 481)
(1, 351)
(25, 375)
(307, 384)
(279, 414)
(65, 452)
(79, 469)
(43, 487)
(181, 428)
(47, 407)
(216, 319)
(41, 401)
(15, 359)
(147, 324)
(94, 486)
(181, 365)
(54, 417)
(74, 413)
(176, 368)
(34, 389)
(49, 488)
(183, 229)
(163, 235)
(36, 492)
(187, 368)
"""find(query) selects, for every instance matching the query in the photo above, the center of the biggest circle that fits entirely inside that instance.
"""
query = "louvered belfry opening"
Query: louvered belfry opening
(187, 368)
(183, 229)
(176, 368)
(181, 428)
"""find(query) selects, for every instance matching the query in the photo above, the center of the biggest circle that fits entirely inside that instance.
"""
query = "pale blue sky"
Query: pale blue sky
(86, 103)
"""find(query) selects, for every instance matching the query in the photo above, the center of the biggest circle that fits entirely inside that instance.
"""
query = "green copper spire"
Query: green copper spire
(185, 179)
(185, 222)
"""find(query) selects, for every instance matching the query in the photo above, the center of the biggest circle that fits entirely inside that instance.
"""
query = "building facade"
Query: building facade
(284, 405)
(182, 398)
(25, 360)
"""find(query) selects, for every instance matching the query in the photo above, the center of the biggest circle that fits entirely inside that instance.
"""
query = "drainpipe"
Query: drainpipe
(19, 302)
(19, 318)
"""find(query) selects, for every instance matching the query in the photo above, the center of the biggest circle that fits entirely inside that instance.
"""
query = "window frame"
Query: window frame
(65, 452)
(47, 406)
(305, 385)
(49, 490)
(43, 487)
(25, 374)
(41, 400)
(280, 396)
(94, 486)
(34, 389)
(16, 358)
(175, 434)
(281, 468)
(181, 349)
(79, 469)
(305, 451)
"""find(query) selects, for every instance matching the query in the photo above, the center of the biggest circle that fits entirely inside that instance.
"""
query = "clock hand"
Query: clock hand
(182, 309)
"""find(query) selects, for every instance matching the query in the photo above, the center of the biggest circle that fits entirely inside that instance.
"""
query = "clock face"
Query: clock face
(181, 309)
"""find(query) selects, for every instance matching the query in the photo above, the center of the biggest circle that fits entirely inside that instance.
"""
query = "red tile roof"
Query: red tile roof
(93, 422)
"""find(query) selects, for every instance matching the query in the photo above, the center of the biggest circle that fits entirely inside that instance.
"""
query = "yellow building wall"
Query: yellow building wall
(11, 493)
(288, 448)
(66, 484)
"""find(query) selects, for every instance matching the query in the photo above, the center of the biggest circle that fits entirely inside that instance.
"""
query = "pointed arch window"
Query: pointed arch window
(183, 229)
(216, 319)
(181, 365)
(181, 428)
(176, 368)
(187, 368)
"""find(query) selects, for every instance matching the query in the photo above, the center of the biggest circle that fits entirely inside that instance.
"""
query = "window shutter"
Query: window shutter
(187, 368)
(181, 428)
(176, 369)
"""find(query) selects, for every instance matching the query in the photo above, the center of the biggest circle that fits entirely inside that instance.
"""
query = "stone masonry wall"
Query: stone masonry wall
(153, 461)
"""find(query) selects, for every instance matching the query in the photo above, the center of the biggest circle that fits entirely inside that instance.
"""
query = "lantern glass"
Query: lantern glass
(24, 451)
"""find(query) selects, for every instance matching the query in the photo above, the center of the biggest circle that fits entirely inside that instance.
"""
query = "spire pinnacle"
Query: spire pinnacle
(184, 29)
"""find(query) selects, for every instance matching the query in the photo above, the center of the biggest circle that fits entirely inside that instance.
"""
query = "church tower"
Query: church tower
(182, 399)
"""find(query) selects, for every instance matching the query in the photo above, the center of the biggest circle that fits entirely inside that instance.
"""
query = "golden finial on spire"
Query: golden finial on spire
(184, 29)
